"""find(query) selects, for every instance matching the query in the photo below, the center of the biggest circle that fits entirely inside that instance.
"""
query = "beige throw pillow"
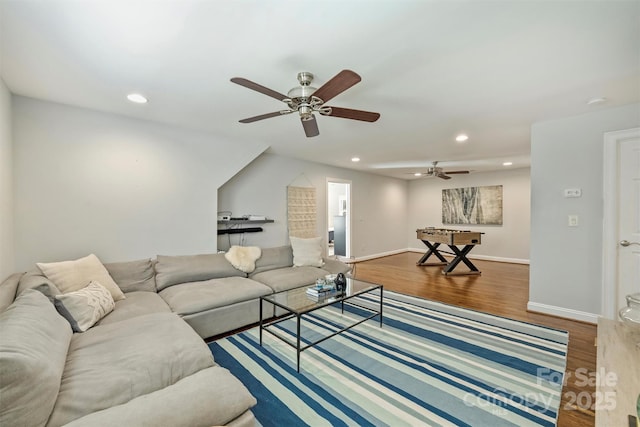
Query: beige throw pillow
(85, 307)
(307, 252)
(70, 276)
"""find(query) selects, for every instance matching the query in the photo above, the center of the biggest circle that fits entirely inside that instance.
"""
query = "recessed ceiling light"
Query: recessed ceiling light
(355, 159)
(417, 174)
(137, 98)
(462, 137)
(596, 100)
(507, 163)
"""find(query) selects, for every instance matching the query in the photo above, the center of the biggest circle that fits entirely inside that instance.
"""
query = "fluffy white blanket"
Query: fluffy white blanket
(243, 257)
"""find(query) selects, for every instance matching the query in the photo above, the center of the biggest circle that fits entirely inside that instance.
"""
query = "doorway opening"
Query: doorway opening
(338, 218)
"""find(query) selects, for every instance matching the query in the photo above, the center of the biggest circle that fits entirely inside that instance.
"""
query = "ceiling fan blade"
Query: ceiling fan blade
(310, 127)
(455, 172)
(265, 116)
(259, 88)
(338, 84)
(443, 176)
(347, 113)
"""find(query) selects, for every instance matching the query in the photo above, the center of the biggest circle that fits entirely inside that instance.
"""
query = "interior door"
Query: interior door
(339, 216)
(628, 219)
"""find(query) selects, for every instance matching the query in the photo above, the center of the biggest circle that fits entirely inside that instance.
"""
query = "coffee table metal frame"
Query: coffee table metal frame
(354, 289)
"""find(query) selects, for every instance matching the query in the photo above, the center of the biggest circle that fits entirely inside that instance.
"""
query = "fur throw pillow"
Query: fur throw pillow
(243, 257)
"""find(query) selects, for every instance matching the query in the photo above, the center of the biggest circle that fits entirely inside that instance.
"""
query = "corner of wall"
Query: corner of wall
(7, 255)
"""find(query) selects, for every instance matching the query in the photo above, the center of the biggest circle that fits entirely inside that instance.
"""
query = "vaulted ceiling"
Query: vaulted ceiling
(432, 69)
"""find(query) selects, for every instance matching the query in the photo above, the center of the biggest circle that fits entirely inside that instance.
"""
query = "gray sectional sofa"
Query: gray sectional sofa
(145, 363)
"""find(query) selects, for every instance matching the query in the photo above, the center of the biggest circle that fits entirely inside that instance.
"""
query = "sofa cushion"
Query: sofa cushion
(133, 276)
(136, 304)
(171, 270)
(211, 397)
(307, 252)
(112, 364)
(34, 340)
(69, 276)
(272, 258)
(8, 290)
(283, 279)
(85, 307)
(194, 297)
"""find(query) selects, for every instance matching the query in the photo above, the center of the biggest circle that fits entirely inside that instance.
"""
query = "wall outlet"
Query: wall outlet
(572, 192)
(573, 220)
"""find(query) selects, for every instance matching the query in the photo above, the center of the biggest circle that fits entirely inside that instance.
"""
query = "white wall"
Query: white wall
(566, 262)
(6, 184)
(508, 242)
(379, 204)
(122, 188)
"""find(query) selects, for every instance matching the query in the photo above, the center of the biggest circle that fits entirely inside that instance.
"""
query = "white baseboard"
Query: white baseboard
(568, 313)
(380, 255)
(421, 251)
(483, 257)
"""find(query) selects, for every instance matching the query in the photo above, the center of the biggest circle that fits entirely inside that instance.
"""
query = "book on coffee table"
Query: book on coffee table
(316, 291)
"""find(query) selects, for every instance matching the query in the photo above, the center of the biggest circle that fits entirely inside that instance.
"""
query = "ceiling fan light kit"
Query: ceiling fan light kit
(306, 100)
(438, 172)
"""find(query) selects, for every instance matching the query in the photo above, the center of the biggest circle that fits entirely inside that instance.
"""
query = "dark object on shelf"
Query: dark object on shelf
(240, 230)
(245, 221)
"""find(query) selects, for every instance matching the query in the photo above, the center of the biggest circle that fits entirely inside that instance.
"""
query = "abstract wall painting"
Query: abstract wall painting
(472, 205)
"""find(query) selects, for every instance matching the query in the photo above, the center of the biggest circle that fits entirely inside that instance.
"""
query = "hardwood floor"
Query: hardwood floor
(501, 289)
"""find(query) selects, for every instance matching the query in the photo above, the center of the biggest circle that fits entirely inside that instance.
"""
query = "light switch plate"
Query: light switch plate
(573, 220)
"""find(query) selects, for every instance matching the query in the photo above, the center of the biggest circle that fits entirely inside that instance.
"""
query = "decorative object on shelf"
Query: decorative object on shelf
(472, 205)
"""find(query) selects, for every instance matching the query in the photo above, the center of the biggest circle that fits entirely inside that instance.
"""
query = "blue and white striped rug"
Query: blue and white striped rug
(430, 364)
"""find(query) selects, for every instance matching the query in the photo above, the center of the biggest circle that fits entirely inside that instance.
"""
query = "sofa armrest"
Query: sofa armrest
(8, 289)
(334, 266)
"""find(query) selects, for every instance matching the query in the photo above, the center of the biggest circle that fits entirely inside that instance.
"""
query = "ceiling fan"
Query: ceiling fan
(438, 172)
(306, 99)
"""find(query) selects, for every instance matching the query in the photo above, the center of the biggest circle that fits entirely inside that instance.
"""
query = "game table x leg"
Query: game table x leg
(433, 250)
(461, 255)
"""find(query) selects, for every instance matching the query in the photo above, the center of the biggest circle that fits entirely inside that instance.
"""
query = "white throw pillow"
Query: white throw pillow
(307, 252)
(243, 257)
(85, 307)
(70, 276)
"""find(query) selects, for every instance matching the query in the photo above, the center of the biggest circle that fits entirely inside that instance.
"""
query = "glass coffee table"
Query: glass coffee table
(297, 303)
